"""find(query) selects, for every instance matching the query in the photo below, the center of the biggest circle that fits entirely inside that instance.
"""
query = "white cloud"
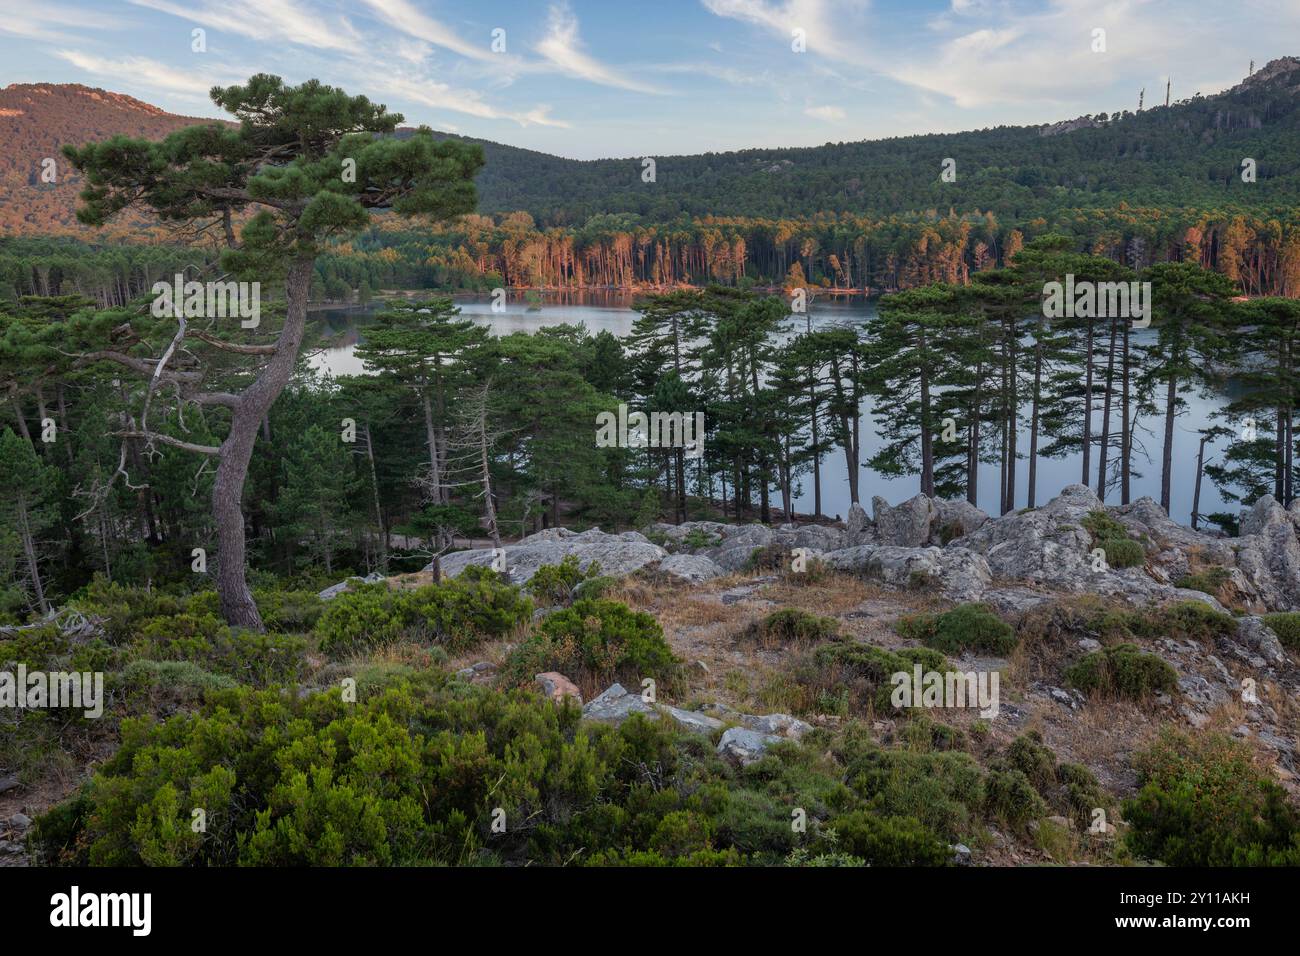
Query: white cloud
(44, 21)
(442, 96)
(141, 71)
(266, 20)
(406, 17)
(562, 48)
(825, 24)
(831, 114)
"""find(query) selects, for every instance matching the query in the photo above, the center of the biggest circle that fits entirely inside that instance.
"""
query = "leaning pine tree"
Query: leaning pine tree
(305, 166)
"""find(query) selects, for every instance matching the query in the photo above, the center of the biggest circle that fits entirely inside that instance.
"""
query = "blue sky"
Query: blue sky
(595, 78)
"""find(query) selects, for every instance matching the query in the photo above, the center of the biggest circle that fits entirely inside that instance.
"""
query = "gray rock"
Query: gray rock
(478, 673)
(736, 549)
(778, 725)
(8, 783)
(1256, 635)
(743, 746)
(1044, 546)
(1268, 553)
(617, 704)
(858, 529)
(956, 518)
(20, 821)
(334, 590)
(961, 854)
(907, 525)
(959, 573)
(693, 568)
(617, 554)
(812, 537)
(692, 720)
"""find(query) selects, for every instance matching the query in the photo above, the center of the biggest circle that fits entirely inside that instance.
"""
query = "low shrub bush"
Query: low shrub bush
(1122, 670)
(967, 627)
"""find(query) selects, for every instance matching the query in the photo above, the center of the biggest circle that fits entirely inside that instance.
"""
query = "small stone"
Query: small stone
(8, 783)
(961, 854)
(780, 725)
(744, 746)
(557, 687)
(1089, 644)
(20, 820)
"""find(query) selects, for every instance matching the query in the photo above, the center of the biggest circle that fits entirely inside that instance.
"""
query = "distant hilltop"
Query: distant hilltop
(1016, 173)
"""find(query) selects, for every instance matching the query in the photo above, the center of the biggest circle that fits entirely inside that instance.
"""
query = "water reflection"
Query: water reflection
(612, 311)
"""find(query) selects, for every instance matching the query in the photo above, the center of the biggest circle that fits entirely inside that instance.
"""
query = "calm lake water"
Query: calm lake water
(613, 312)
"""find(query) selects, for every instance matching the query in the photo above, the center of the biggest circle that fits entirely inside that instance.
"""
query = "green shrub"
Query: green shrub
(1124, 553)
(928, 735)
(457, 614)
(412, 774)
(1209, 580)
(598, 586)
(697, 539)
(1113, 538)
(1203, 802)
(206, 641)
(289, 611)
(1012, 798)
(556, 584)
(861, 673)
(1102, 526)
(1028, 754)
(595, 639)
(967, 627)
(1286, 626)
(944, 791)
(791, 625)
(35, 647)
(889, 840)
(123, 608)
(1123, 670)
(367, 615)
(1192, 620)
(1082, 792)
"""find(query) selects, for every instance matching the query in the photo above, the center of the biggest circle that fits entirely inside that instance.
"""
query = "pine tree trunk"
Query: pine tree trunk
(1033, 422)
(237, 605)
(1126, 426)
(29, 551)
(1087, 405)
(379, 513)
(1167, 458)
(1104, 448)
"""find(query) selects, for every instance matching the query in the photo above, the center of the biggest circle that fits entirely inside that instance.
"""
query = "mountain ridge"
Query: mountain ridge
(1184, 154)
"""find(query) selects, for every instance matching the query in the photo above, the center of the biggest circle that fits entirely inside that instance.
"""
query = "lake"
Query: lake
(612, 312)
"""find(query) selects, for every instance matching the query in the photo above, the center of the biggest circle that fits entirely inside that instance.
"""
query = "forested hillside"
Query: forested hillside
(1165, 184)
(1189, 153)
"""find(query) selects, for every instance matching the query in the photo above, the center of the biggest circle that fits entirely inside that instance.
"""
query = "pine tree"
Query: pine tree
(305, 165)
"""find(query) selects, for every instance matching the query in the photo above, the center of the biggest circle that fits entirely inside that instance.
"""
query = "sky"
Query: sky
(626, 78)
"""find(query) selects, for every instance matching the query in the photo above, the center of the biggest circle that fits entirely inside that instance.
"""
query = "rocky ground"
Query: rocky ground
(700, 581)
(706, 583)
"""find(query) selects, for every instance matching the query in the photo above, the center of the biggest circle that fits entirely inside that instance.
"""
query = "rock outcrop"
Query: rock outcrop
(742, 744)
(1013, 561)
